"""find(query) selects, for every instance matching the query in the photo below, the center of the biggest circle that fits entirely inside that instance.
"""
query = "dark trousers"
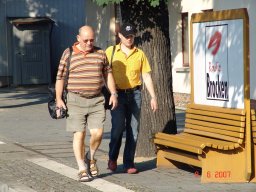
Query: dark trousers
(125, 117)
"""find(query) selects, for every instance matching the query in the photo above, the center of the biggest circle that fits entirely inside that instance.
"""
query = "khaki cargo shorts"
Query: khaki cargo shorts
(85, 113)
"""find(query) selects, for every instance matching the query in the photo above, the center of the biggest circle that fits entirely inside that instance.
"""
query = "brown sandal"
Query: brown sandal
(83, 176)
(93, 166)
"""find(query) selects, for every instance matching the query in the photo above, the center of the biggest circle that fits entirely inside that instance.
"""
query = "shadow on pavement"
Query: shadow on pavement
(23, 96)
(141, 166)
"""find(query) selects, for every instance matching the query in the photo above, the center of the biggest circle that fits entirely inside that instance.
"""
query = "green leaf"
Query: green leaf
(154, 3)
(106, 2)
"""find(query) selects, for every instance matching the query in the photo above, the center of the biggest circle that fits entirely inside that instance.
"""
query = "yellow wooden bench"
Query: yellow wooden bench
(253, 120)
(208, 130)
(253, 135)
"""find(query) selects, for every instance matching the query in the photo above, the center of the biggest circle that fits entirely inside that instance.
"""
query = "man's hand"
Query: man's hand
(60, 104)
(153, 103)
(112, 88)
(113, 100)
(149, 84)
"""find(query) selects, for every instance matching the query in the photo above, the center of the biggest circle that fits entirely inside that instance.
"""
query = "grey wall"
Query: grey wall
(68, 16)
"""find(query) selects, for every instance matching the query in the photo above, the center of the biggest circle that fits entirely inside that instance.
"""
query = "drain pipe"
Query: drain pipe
(6, 41)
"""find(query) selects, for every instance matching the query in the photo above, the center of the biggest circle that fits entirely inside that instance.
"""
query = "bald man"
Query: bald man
(85, 102)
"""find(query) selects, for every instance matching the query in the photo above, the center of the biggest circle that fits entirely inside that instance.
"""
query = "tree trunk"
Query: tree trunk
(153, 38)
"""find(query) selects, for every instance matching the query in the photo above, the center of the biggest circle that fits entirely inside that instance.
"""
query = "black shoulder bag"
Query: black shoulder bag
(52, 95)
(105, 91)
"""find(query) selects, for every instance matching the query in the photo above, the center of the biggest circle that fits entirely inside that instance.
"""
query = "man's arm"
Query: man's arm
(59, 85)
(112, 88)
(150, 87)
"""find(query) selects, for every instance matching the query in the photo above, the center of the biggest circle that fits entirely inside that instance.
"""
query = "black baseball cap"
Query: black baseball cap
(127, 29)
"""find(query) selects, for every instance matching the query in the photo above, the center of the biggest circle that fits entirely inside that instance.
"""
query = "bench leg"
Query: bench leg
(253, 179)
(224, 166)
(177, 159)
(163, 162)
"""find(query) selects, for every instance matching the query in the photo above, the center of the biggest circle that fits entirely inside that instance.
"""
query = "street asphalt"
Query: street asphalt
(36, 155)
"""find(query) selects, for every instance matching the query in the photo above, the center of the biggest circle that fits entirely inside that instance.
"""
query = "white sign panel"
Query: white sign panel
(218, 63)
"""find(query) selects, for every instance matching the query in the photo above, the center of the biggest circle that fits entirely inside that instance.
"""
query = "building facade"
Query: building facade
(180, 12)
(34, 33)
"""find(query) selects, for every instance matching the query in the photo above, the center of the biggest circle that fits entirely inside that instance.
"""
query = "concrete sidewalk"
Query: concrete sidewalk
(27, 135)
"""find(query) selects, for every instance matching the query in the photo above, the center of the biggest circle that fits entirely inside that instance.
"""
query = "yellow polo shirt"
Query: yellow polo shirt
(127, 70)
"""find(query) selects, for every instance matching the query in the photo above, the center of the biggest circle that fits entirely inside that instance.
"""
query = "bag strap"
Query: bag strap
(68, 65)
(114, 48)
(113, 51)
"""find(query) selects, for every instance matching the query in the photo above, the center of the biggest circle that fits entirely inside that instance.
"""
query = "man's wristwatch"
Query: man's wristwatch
(115, 94)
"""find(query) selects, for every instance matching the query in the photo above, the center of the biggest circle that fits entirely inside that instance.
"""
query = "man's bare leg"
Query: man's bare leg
(95, 141)
(79, 149)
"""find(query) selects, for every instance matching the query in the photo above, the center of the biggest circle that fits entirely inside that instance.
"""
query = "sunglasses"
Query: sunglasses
(88, 40)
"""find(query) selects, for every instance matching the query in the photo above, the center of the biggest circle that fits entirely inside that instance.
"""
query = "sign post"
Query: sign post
(219, 47)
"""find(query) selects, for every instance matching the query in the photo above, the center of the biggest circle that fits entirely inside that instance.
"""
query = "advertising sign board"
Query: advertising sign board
(218, 63)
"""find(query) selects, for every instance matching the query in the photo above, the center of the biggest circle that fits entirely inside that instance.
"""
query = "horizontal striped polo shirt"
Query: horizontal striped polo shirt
(85, 72)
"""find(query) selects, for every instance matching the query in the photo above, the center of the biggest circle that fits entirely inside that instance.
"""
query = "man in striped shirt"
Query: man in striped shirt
(85, 103)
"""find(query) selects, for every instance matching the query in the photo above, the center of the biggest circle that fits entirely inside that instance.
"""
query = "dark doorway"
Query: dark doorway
(30, 50)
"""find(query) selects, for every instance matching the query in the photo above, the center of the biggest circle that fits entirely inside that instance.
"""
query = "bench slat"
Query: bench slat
(189, 148)
(216, 114)
(253, 117)
(216, 109)
(253, 124)
(209, 142)
(216, 125)
(178, 139)
(214, 130)
(214, 135)
(227, 145)
(217, 144)
(216, 120)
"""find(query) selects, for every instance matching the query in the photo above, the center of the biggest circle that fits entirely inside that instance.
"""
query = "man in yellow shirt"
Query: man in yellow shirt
(129, 67)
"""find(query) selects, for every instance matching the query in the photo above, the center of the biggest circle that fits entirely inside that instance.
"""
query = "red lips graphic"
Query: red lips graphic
(215, 42)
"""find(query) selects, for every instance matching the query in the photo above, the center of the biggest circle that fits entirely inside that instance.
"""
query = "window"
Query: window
(207, 10)
(185, 39)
